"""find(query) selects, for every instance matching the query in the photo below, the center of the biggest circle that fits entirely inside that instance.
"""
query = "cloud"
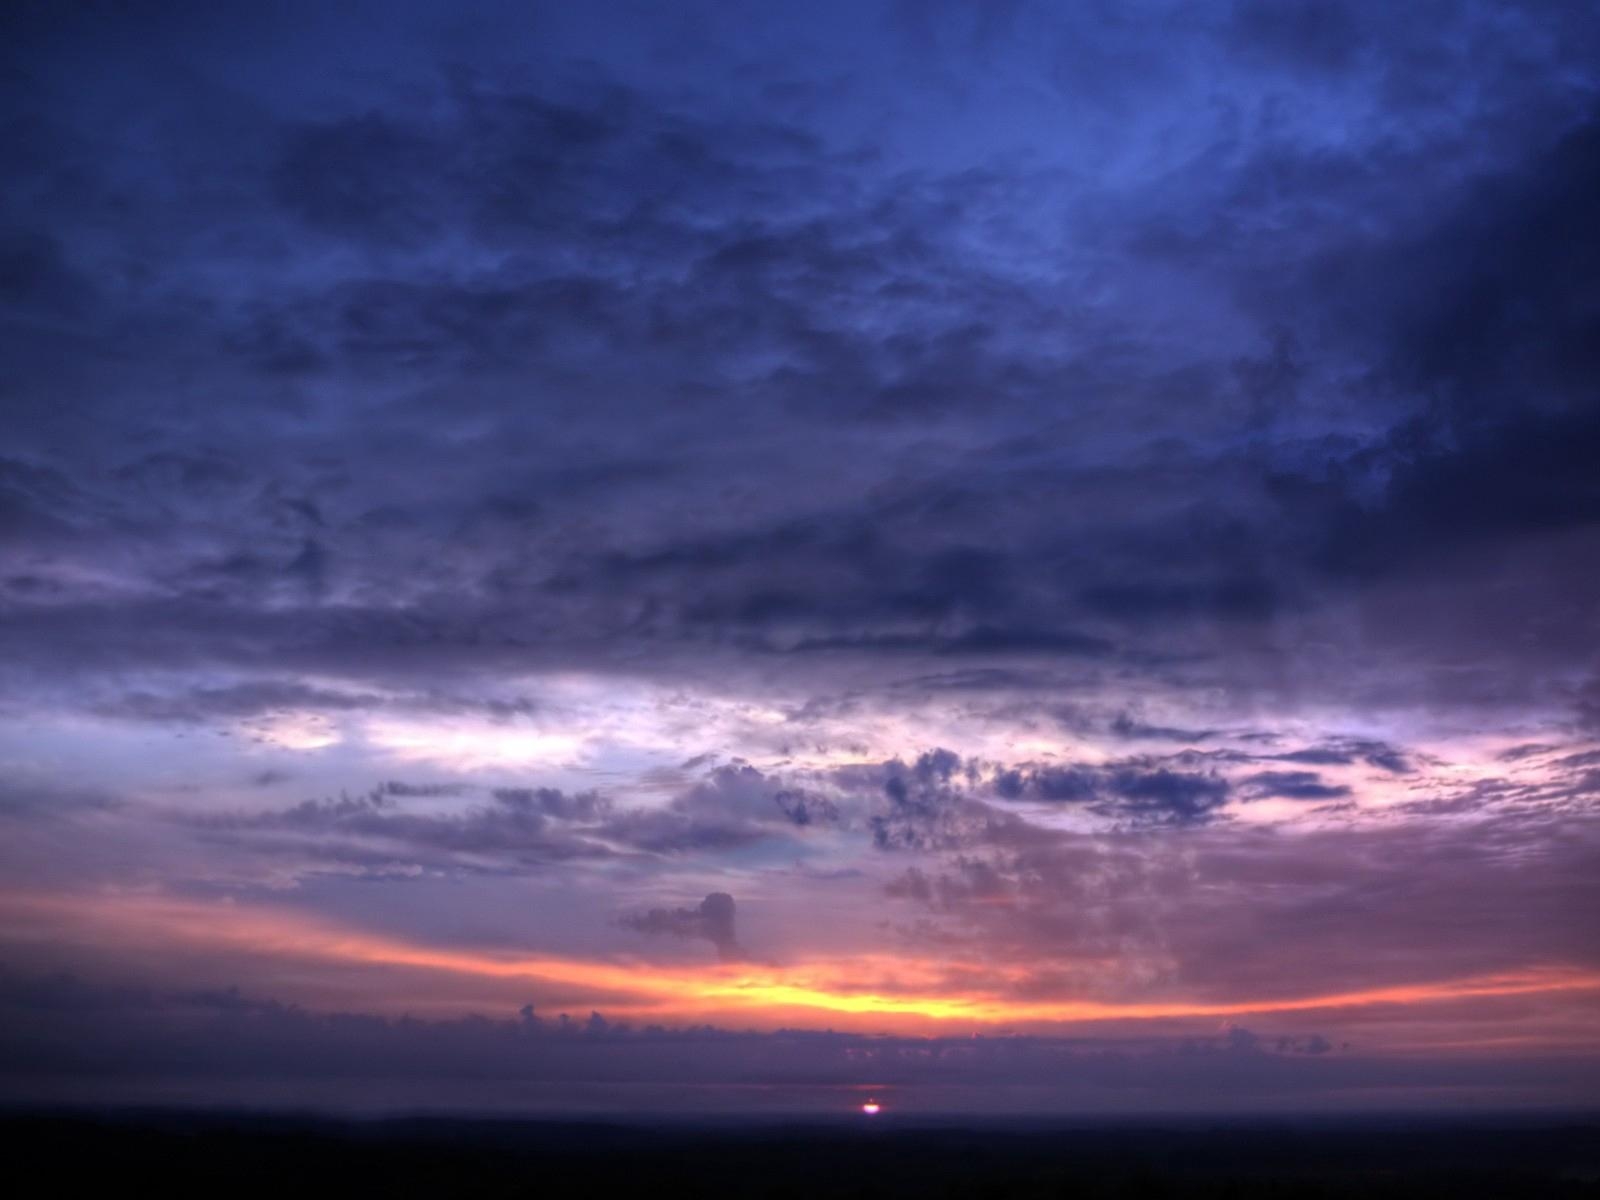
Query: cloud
(1136, 789)
(773, 262)
(970, 529)
(242, 700)
(712, 919)
(521, 828)
(1121, 912)
(375, 831)
(121, 1041)
(1345, 751)
(1182, 796)
(1293, 785)
(28, 796)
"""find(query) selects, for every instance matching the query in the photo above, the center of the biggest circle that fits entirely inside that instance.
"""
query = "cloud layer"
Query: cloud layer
(1058, 507)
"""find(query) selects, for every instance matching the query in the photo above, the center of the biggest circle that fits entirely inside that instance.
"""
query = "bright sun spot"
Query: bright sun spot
(872, 1108)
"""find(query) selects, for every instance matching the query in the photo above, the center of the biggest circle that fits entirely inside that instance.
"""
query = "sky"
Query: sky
(626, 558)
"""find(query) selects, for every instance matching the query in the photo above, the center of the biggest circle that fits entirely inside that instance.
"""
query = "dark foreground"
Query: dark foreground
(167, 1155)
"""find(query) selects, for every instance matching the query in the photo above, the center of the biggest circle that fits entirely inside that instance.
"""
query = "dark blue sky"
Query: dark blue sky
(1067, 521)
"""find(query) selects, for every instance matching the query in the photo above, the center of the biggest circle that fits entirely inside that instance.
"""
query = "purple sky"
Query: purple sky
(630, 557)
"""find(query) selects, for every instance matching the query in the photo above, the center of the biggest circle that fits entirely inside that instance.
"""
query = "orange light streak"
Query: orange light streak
(820, 986)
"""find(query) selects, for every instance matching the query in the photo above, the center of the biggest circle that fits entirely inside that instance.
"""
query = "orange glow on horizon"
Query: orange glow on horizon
(875, 986)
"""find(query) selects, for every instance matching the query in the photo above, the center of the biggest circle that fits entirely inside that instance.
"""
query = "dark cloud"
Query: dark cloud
(1317, 35)
(712, 920)
(399, 787)
(1123, 725)
(376, 831)
(251, 699)
(1488, 330)
(520, 828)
(1346, 751)
(1057, 783)
(552, 802)
(1293, 785)
(616, 243)
(1228, 598)
(730, 807)
(927, 804)
(1169, 794)
(1134, 791)
(804, 809)
(28, 797)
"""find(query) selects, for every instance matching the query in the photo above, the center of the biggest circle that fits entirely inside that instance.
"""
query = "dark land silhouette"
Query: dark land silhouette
(173, 1154)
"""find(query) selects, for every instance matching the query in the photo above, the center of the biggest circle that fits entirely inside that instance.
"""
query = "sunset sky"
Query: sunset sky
(702, 557)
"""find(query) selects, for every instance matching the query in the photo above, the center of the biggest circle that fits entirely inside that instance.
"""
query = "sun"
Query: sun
(872, 1108)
